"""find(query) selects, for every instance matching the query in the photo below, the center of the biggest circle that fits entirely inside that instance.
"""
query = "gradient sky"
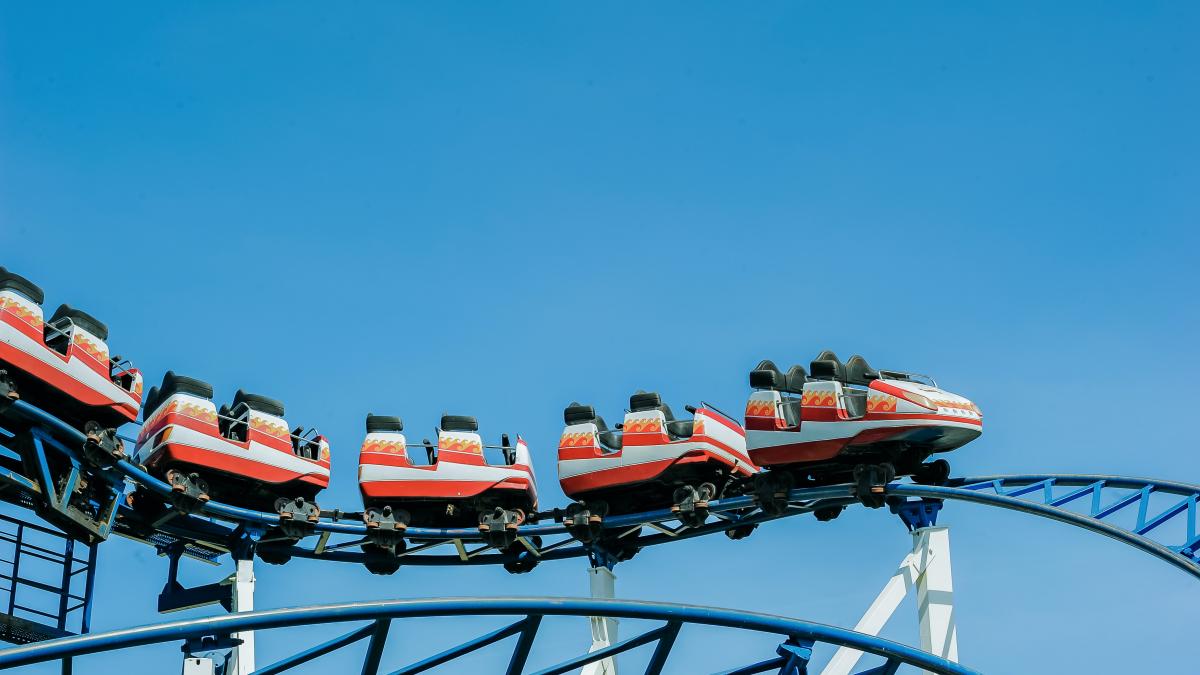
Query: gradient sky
(496, 209)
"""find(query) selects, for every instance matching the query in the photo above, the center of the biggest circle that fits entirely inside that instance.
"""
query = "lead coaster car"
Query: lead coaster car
(449, 485)
(651, 461)
(851, 423)
(242, 455)
(62, 365)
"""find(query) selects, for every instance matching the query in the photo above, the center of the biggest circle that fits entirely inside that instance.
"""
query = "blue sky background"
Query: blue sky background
(496, 209)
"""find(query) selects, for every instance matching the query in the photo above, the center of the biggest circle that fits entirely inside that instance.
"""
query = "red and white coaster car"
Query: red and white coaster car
(63, 365)
(845, 422)
(450, 485)
(652, 461)
(242, 454)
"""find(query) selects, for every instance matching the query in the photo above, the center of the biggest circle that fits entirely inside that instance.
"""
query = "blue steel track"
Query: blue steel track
(1099, 504)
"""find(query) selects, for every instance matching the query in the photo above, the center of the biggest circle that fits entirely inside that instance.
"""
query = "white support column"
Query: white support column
(194, 665)
(927, 569)
(935, 592)
(241, 658)
(877, 615)
(602, 582)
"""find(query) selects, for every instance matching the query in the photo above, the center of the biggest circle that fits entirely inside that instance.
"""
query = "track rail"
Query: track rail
(1129, 510)
(792, 655)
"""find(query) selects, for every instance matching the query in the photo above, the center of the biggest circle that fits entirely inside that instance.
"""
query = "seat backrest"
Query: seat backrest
(149, 403)
(181, 384)
(81, 319)
(384, 437)
(795, 379)
(827, 366)
(19, 284)
(642, 401)
(459, 423)
(578, 413)
(258, 403)
(859, 372)
(766, 375)
(384, 424)
(459, 433)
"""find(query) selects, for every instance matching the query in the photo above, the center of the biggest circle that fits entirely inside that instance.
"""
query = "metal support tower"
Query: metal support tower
(927, 568)
(47, 582)
(602, 583)
(241, 657)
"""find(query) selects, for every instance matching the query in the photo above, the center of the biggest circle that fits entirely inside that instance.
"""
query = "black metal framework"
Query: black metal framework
(46, 583)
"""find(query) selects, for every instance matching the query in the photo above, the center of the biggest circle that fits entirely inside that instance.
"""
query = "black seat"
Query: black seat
(827, 366)
(257, 402)
(768, 376)
(82, 319)
(643, 401)
(796, 377)
(15, 282)
(149, 402)
(384, 424)
(181, 384)
(459, 423)
(577, 413)
(680, 429)
(859, 372)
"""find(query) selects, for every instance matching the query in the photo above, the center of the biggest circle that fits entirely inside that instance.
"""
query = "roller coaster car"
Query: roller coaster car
(850, 422)
(241, 455)
(454, 486)
(651, 461)
(62, 365)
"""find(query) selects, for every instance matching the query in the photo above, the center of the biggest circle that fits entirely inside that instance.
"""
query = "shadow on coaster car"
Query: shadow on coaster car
(452, 484)
(242, 454)
(848, 422)
(650, 461)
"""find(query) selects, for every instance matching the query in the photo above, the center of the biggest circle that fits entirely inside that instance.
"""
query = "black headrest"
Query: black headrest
(379, 423)
(459, 423)
(827, 365)
(82, 319)
(858, 371)
(796, 377)
(766, 375)
(20, 284)
(149, 402)
(645, 400)
(577, 413)
(257, 402)
(181, 384)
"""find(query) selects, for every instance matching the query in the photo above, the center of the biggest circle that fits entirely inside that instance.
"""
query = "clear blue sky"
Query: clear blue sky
(497, 209)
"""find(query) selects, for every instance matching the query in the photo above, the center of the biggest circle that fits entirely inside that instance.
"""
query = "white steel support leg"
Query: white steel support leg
(935, 592)
(193, 665)
(877, 615)
(602, 582)
(241, 659)
(928, 569)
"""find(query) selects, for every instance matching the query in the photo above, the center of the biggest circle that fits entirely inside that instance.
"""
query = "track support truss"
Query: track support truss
(795, 645)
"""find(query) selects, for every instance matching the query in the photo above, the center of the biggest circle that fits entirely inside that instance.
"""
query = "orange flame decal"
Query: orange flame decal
(818, 399)
(577, 440)
(760, 408)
